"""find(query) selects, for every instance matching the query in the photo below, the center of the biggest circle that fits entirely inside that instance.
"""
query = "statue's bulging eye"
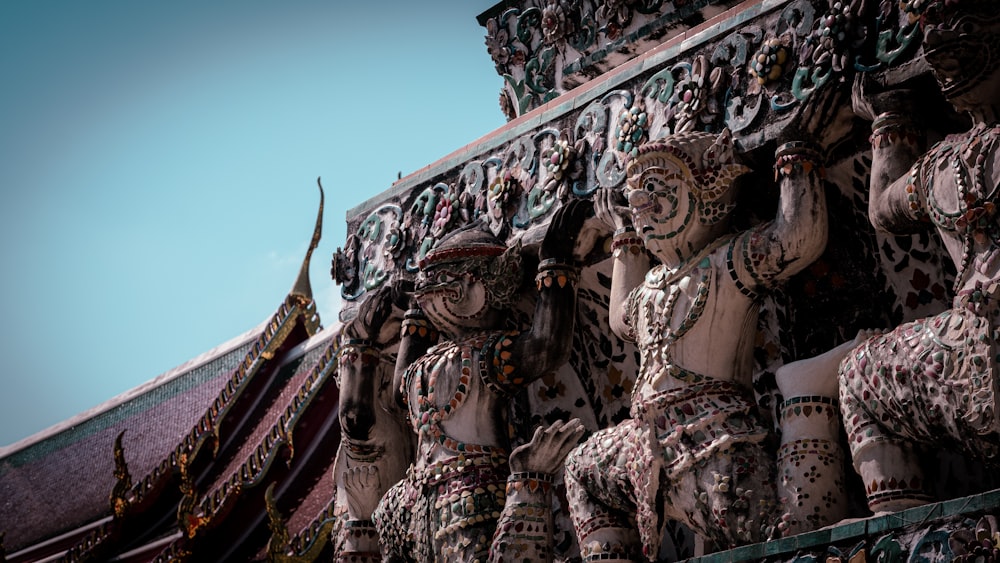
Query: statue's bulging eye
(444, 277)
(654, 184)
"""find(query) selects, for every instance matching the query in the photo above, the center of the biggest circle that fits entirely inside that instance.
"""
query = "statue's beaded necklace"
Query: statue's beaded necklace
(973, 217)
(658, 308)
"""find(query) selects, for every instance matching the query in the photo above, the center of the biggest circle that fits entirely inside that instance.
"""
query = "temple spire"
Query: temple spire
(302, 286)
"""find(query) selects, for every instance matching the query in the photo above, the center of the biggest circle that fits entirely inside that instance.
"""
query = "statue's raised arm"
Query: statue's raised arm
(778, 249)
(546, 345)
(694, 449)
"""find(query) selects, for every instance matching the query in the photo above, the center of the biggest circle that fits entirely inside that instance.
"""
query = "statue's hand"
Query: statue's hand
(362, 486)
(824, 118)
(379, 315)
(868, 102)
(611, 208)
(564, 229)
(548, 447)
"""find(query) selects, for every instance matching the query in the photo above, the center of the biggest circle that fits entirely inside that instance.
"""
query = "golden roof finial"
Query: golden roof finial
(302, 286)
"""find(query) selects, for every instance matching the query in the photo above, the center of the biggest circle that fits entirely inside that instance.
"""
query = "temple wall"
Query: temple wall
(573, 145)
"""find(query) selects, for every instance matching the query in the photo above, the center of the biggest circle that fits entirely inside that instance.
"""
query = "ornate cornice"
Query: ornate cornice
(308, 544)
(747, 69)
(544, 48)
(123, 479)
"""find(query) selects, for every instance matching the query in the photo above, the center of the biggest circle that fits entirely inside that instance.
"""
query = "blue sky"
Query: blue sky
(158, 164)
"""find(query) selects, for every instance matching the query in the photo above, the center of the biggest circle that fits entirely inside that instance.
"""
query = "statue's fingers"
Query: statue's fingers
(537, 436)
(605, 206)
(350, 479)
(373, 476)
(570, 433)
(566, 445)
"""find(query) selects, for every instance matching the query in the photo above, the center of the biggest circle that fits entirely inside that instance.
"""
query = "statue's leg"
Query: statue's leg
(810, 460)
(465, 507)
(810, 465)
(876, 425)
(892, 475)
(392, 521)
(727, 498)
(601, 495)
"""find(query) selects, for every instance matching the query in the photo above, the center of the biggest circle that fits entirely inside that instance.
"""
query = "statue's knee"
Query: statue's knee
(575, 464)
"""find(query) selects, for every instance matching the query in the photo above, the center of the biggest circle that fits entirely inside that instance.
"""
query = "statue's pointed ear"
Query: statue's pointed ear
(720, 180)
(730, 172)
(712, 212)
(720, 167)
(721, 150)
(510, 260)
(505, 276)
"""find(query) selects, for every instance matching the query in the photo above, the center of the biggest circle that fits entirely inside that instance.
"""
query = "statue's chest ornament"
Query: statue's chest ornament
(973, 216)
(660, 303)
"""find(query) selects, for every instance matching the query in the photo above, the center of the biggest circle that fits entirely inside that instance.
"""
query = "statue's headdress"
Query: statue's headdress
(949, 37)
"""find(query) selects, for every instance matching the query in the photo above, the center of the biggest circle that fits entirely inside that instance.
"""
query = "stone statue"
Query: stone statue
(457, 391)
(376, 446)
(933, 381)
(694, 449)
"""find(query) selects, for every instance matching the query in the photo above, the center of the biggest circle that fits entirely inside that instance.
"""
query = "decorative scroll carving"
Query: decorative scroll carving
(732, 54)
(123, 479)
(372, 253)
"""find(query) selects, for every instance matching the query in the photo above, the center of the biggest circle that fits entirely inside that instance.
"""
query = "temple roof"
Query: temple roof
(161, 466)
(60, 479)
(58, 487)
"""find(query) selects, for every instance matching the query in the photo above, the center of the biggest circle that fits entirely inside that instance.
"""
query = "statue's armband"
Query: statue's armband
(496, 368)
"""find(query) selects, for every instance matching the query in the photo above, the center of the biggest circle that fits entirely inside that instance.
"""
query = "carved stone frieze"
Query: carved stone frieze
(760, 75)
(544, 48)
